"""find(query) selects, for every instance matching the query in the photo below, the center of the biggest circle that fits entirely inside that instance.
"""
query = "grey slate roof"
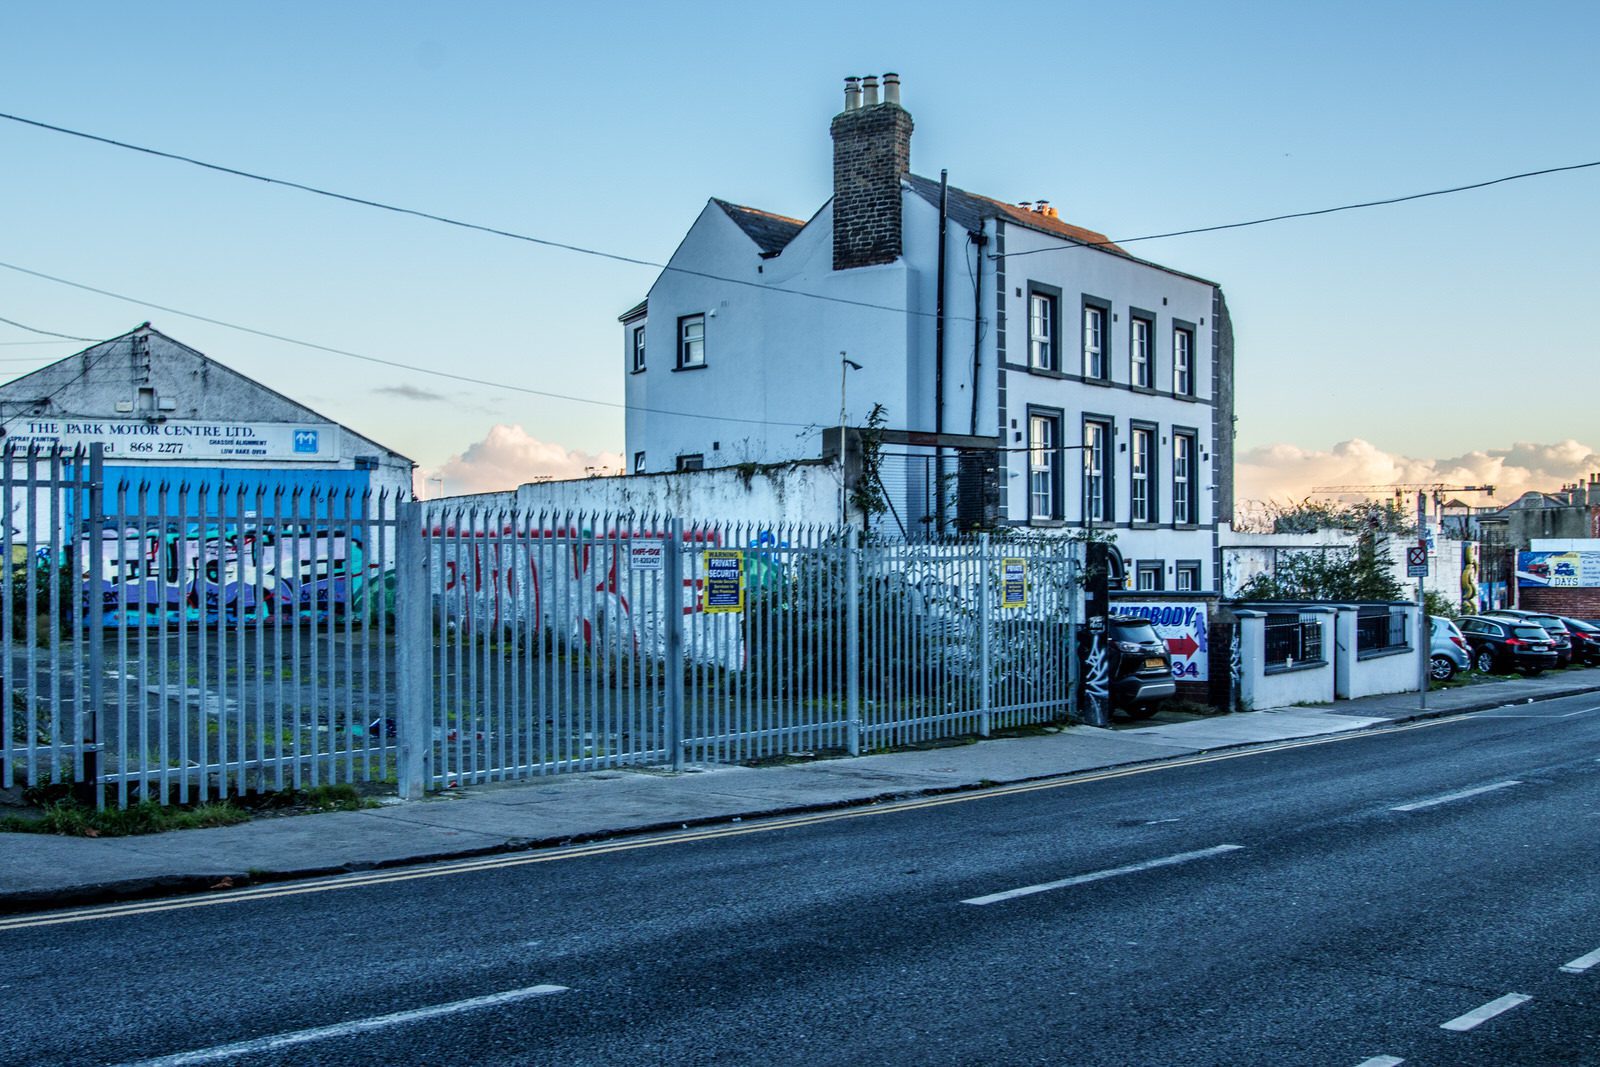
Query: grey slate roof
(969, 210)
(88, 383)
(772, 233)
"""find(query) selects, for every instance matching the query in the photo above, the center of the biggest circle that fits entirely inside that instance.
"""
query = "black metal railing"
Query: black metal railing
(1380, 630)
(1293, 638)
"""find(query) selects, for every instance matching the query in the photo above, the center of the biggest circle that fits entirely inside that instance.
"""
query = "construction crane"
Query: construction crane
(1399, 489)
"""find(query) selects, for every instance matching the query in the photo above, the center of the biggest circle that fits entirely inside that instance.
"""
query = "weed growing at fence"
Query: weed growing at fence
(73, 819)
(321, 798)
(20, 714)
(68, 601)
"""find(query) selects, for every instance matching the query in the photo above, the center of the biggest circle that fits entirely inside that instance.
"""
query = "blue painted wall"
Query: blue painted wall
(230, 481)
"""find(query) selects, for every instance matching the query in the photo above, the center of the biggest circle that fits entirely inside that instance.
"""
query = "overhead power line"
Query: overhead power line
(395, 363)
(47, 333)
(636, 261)
(463, 224)
(616, 257)
(1311, 213)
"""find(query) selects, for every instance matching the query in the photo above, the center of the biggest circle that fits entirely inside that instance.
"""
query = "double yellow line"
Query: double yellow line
(441, 870)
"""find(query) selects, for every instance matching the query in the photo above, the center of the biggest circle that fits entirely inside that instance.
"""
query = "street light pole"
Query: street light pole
(846, 365)
(1424, 629)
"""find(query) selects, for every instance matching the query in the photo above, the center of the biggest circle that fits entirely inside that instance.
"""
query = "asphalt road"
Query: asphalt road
(1333, 903)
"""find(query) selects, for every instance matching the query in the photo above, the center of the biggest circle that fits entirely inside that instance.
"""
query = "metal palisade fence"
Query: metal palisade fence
(573, 641)
(194, 639)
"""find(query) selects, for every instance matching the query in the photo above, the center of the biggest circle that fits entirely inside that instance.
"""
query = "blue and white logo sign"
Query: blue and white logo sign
(139, 439)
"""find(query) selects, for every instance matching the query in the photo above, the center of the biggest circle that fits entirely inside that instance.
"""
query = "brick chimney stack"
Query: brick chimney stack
(871, 153)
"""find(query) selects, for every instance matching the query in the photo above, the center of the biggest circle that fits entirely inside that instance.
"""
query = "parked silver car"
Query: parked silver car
(1447, 649)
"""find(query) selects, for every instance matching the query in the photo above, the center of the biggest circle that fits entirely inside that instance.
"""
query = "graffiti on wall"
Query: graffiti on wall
(580, 587)
(191, 573)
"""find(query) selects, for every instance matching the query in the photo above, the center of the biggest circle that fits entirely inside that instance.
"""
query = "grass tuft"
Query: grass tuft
(73, 819)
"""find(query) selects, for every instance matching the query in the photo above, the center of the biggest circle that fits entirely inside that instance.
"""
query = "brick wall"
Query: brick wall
(1574, 603)
(871, 151)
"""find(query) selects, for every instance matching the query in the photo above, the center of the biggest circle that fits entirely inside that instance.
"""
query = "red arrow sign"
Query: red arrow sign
(1183, 647)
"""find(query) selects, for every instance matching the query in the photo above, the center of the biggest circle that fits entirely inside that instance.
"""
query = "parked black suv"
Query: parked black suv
(1501, 644)
(1560, 638)
(1139, 667)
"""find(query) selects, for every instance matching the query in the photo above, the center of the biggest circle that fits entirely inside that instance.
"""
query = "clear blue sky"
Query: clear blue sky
(1429, 328)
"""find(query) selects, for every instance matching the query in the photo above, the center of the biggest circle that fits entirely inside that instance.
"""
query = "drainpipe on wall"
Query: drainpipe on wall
(938, 357)
(979, 239)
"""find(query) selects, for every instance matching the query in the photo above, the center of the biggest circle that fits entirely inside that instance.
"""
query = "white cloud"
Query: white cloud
(1288, 472)
(507, 457)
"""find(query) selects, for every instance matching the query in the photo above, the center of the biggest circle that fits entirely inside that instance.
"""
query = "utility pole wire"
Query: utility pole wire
(47, 333)
(390, 362)
(448, 221)
(1308, 214)
(581, 250)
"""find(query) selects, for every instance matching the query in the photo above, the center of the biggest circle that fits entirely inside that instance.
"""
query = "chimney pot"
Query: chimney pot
(871, 157)
(1042, 207)
(891, 89)
(852, 93)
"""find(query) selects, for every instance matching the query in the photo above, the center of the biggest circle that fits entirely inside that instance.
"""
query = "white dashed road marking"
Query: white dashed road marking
(1478, 1016)
(355, 1026)
(1382, 1061)
(1464, 794)
(1083, 879)
(1582, 963)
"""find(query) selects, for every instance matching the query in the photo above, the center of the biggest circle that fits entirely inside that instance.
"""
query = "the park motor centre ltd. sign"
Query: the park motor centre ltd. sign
(1181, 625)
(180, 439)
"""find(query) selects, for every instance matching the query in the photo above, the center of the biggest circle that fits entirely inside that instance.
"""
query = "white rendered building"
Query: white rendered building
(1061, 381)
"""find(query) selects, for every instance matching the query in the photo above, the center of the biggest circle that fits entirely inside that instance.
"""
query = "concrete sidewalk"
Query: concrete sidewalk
(41, 871)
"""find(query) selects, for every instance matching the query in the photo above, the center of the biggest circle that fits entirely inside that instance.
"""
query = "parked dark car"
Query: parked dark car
(1502, 644)
(1551, 624)
(1585, 640)
(1139, 667)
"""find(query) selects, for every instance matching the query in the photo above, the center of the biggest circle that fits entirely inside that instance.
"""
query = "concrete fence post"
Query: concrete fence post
(1252, 637)
(1345, 650)
(413, 652)
(1330, 650)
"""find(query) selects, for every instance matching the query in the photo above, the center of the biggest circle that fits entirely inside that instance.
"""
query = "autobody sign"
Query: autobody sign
(1182, 626)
